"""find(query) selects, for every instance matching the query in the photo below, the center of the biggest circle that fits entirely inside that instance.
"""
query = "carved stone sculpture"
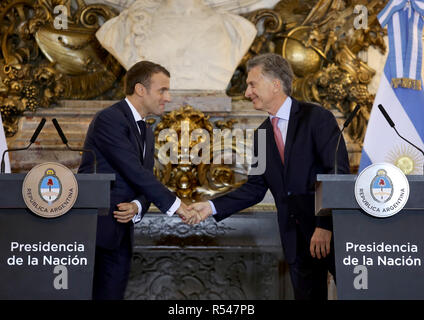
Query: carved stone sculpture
(200, 46)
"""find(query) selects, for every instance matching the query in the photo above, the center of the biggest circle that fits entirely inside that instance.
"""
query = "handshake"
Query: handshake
(194, 213)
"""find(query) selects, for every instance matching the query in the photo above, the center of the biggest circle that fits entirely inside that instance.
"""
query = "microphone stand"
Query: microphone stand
(392, 124)
(31, 141)
(65, 142)
(347, 122)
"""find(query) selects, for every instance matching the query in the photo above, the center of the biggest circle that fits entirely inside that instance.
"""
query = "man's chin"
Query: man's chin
(160, 111)
(257, 106)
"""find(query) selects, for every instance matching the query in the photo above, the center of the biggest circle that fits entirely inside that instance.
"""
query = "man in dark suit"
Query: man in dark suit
(301, 140)
(124, 145)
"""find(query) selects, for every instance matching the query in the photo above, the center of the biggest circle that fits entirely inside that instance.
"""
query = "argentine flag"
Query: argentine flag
(400, 92)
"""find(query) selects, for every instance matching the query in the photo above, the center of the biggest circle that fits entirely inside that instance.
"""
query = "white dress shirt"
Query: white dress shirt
(283, 114)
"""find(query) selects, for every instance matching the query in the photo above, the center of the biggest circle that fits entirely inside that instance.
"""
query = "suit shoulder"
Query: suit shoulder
(112, 112)
(315, 110)
(311, 106)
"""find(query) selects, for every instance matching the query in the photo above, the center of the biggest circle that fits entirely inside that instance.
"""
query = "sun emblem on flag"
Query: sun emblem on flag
(406, 158)
(381, 187)
(50, 187)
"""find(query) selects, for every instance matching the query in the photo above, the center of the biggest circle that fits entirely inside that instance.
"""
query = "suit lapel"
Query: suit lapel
(150, 148)
(124, 107)
(291, 132)
(273, 155)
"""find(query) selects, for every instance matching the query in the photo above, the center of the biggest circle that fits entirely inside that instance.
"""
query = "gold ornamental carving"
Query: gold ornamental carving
(190, 133)
(40, 61)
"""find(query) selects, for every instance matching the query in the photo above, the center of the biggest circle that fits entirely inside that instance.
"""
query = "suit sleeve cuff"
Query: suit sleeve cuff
(137, 217)
(174, 207)
(213, 208)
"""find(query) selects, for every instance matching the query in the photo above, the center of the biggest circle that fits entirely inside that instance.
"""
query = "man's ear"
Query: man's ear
(276, 85)
(139, 89)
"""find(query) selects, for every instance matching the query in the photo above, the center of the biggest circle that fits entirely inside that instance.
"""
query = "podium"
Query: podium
(376, 258)
(44, 258)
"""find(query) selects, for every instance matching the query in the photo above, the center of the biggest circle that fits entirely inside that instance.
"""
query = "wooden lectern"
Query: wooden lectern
(376, 258)
(44, 258)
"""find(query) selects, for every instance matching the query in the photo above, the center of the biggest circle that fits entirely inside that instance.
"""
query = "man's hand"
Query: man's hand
(320, 243)
(185, 214)
(202, 210)
(126, 211)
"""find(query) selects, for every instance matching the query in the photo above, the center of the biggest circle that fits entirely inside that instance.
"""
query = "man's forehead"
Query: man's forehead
(254, 74)
(160, 79)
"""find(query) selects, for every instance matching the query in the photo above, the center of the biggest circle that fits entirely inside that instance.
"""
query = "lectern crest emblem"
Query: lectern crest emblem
(50, 187)
(382, 190)
(381, 187)
(50, 190)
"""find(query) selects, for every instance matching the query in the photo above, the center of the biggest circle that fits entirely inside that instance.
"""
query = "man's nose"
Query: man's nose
(248, 92)
(168, 97)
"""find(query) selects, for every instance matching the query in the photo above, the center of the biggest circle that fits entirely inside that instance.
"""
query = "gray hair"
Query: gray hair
(274, 66)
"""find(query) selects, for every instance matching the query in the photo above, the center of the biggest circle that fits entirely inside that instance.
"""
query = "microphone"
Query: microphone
(346, 123)
(65, 142)
(60, 132)
(386, 115)
(392, 124)
(31, 141)
(37, 131)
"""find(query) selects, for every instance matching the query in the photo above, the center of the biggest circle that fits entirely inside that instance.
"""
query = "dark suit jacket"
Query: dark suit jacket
(113, 135)
(309, 150)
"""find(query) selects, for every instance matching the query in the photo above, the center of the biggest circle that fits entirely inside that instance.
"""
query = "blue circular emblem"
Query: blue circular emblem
(50, 187)
(381, 187)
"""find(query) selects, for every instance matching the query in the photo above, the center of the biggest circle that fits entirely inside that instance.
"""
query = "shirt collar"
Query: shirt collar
(284, 111)
(134, 111)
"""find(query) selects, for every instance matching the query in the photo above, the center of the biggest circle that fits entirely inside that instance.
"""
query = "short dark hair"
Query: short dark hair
(275, 67)
(142, 72)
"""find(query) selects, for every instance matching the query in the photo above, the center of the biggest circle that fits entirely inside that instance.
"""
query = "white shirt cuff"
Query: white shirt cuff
(213, 207)
(174, 207)
(137, 217)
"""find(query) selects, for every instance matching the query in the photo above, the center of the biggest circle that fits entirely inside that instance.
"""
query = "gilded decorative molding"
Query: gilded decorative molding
(41, 62)
(190, 133)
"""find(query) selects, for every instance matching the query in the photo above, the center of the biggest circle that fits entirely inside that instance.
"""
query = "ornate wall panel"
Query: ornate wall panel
(239, 258)
(210, 275)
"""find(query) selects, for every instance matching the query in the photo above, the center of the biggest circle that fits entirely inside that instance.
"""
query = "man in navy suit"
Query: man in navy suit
(124, 145)
(301, 140)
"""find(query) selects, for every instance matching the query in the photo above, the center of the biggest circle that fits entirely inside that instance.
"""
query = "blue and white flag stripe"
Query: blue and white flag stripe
(405, 36)
(414, 49)
(396, 46)
(381, 142)
(400, 92)
(396, 5)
